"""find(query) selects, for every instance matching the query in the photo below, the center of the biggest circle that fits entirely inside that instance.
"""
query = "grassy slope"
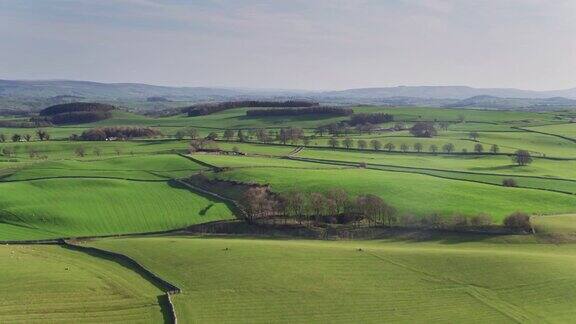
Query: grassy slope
(148, 167)
(470, 163)
(245, 280)
(411, 193)
(51, 284)
(555, 224)
(86, 207)
(568, 130)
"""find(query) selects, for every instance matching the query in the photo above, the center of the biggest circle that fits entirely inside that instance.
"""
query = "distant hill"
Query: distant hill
(508, 103)
(88, 89)
(446, 92)
(35, 95)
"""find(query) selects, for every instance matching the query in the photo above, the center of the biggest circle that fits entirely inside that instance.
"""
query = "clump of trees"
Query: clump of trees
(365, 118)
(202, 144)
(522, 157)
(210, 108)
(335, 111)
(518, 222)
(335, 206)
(423, 129)
(118, 133)
(76, 113)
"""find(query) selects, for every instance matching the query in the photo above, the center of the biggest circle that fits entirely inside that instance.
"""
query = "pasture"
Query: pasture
(118, 187)
(262, 281)
(47, 283)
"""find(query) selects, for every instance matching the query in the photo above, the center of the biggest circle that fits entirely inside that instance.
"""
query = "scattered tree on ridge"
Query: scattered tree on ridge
(522, 157)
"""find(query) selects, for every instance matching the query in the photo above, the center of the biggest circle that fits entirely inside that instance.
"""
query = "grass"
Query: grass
(146, 167)
(555, 224)
(411, 193)
(262, 281)
(51, 284)
(51, 208)
(568, 130)
(489, 164)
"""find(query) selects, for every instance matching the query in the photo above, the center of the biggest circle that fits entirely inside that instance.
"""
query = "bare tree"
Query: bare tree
(522, 157)
(418, 147)
(474, 136)
(333, 142)
(433, 148)
(448, 148)
(376, 144)
(228, 134)
(494, 149)
(404, 147)
(347, 142)
(362, 144)
(478, 148)
(389, 147)
(80, 151)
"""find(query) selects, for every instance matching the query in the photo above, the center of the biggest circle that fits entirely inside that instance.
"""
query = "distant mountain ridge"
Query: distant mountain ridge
(19, 94)
(448, 92)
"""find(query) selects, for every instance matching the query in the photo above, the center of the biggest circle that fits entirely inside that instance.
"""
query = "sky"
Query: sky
(292, 44)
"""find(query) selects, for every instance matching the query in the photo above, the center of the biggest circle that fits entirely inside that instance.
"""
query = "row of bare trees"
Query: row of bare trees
(41, 135)
(334, 206)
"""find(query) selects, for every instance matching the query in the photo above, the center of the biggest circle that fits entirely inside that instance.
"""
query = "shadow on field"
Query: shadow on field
(238, 228)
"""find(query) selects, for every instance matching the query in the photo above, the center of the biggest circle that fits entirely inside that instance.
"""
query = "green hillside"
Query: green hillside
(261, 281)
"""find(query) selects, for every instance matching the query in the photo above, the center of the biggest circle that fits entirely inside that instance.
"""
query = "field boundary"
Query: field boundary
(413, 171)
(237, 207)
(130, 263)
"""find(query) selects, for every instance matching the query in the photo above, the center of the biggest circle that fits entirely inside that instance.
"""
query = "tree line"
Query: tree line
(41, 135)
(74, 113)
(336, 206)
(324, 110)
(116, 133)
(375, 118)
(210, 108)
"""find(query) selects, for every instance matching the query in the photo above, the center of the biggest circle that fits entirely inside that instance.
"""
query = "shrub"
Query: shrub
(518, 222)
(480, 220)
(423, 129)
(408, 220)
(509, 182)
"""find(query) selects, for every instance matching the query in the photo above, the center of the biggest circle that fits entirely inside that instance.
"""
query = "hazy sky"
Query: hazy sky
(301, 44)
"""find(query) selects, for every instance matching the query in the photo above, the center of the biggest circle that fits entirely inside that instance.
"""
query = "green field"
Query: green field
(55, 285)
(414, 275)
(262, 281)
(411, 193)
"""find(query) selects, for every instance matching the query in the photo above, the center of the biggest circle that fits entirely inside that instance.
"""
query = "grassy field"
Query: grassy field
(146, 167)
(411, 193)
(556, 224)
(52, 208)
(49, 284)
(123, 187)
(262, 281)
